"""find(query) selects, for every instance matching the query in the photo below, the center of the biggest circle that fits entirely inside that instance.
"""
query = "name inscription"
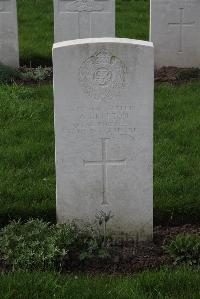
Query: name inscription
(112, 122)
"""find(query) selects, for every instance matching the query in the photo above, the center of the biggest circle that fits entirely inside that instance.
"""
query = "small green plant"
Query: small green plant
(37, 74)
(185, 248)
(102, 219)
(99, 245)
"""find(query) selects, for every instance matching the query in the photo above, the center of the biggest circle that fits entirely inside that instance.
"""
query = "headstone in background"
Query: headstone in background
(175, 32)
(9, 48)
(103, 93)
(74, 19)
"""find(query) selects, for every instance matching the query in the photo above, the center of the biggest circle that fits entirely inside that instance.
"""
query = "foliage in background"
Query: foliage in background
(36, 74)
(185, 248)
(39, 245)
(35, 19)
(24, 75)
(36, 27)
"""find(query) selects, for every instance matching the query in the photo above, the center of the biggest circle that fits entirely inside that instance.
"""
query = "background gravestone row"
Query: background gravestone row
(174, 28)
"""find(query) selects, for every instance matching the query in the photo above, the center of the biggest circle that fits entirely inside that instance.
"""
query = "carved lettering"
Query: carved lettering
(114, 121)
(84, 5)
(81, 5)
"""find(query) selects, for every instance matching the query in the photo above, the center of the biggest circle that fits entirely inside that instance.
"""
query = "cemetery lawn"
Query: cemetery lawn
(36, 27)
(27, 172)
(180, 283)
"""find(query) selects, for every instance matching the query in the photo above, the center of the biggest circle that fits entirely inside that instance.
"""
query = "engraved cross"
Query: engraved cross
(1, 6)
(104, 162)
(84, 8)
(181, 25)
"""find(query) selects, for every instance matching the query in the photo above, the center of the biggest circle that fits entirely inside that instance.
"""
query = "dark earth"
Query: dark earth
(177, 75)
(129, 258)
(172, 75)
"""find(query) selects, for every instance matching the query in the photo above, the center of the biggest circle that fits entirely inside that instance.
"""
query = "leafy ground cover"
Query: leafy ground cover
(180, 283)
(27, 171)
(36, 27)
(38, 245)
(25, 75)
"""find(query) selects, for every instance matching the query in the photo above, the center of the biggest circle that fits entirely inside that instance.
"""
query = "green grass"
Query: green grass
(35, 18)
(36, 27)
(27, 173)
(132, 19)
(178, 284)
(177, 153)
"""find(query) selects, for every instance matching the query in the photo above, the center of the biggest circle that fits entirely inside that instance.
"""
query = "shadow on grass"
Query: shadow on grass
(24, 214)
(161, 217)
(35, 61)
(179, 217)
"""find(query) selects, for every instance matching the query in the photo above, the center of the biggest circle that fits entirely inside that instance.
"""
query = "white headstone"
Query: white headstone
(83, 19)
(175, 32)
(103, 93)
(9, 48)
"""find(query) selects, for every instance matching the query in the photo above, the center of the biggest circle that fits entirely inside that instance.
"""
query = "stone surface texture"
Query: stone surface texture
(9, 48)
(175, 32)
(103, 94)
(75, 19)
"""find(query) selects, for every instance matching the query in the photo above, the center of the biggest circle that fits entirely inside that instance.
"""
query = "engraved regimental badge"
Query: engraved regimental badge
(84, 5)
(102, 75)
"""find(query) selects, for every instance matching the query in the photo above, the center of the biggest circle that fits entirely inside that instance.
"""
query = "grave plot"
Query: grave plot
(103, 93)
